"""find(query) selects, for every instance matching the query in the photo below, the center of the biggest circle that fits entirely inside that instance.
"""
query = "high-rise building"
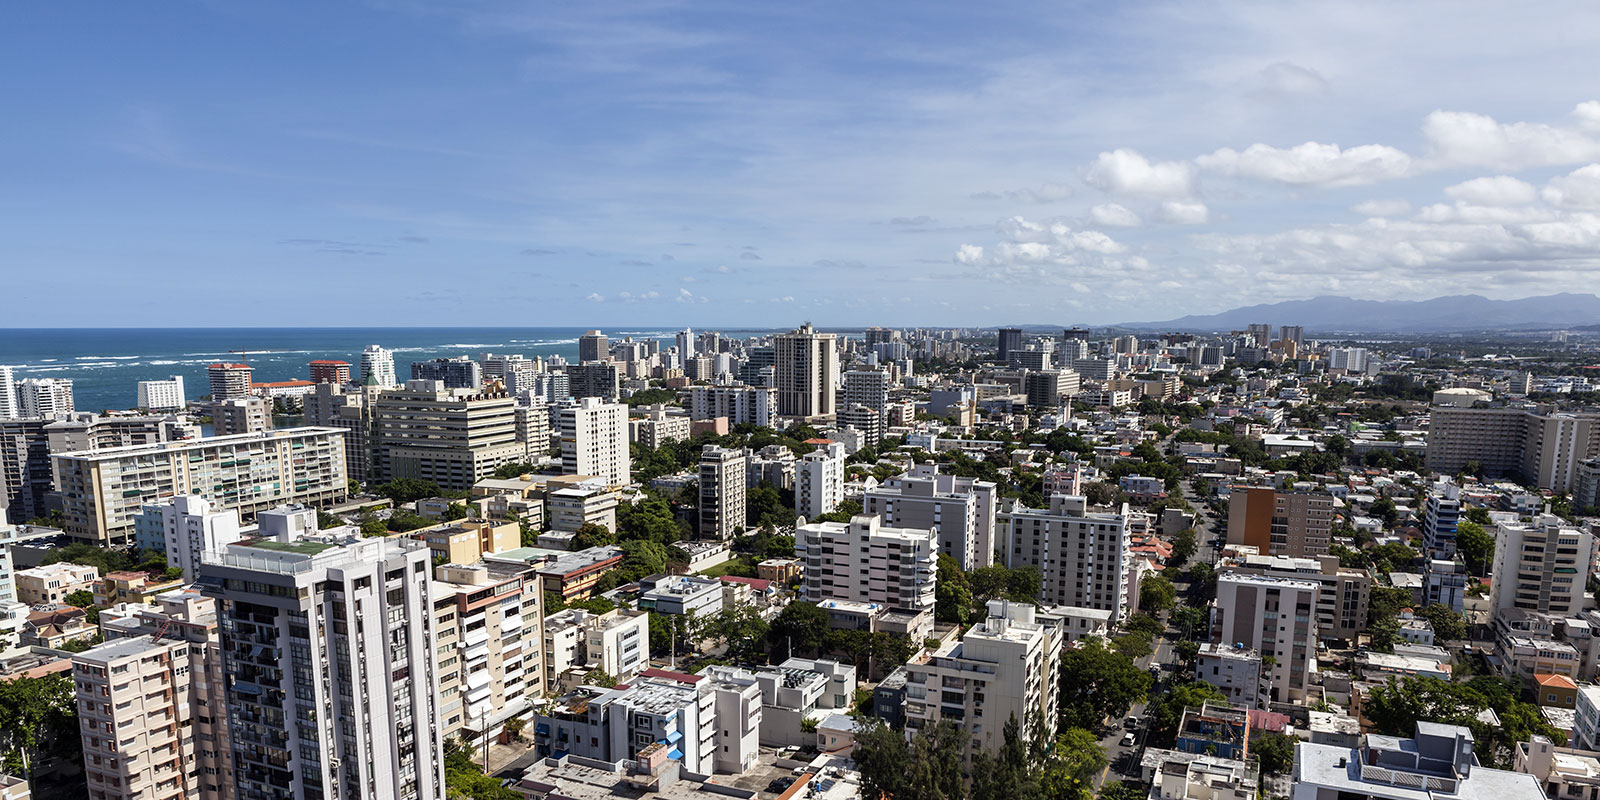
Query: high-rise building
(1541, 566)
(533, 431)
(1261, 333)
(44, 397)
(741, 405)
(190, 527)
(593, 346)
(460, 372)
(875, 336)
(685, 344)
(453, 437)
(162, 395)
(807, 372)
(1275, 617)
(377, 364)
(1545, 449)
(332, 686)
(863, 420)
(489, 642)
(25, 467)
(1440, 515)
(963, 509)
(864, 562)
(600, 379)
(819, 480)
(1293, 333)
(756, 360)
(1043, 388)
(1080, 554)
(240, 415)
(352, 409)
(1095, 369)
(1350, 359)
(1003, 668)
(514, 372)
(1010, 343)
(1342, 597)
(722, 492)
(228, 381)
(324, 370)
(85, 431)
(867, 387)
(1298, 524)
(8, 393)
(594, 440)
(102, 490)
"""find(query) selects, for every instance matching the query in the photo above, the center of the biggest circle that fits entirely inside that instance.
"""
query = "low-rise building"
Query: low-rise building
(577, 641)
(681, 594)
(1565, 772)
(1233, 670)
(574, 575)
(468, 541)
(575, 506)
(51, 583)
(1438, 761)
(1197, 777)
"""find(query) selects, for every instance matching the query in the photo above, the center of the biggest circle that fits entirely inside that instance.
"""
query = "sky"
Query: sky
(222, 162)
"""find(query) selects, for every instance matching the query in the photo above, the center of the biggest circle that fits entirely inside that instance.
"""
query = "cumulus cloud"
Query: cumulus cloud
(1113, 215)
(1391, 207)
(595, 297)
(1311, 164)
(1185, 212)
(1577, 189)
(1124, 171)
(1499, 190)
(1463, 138)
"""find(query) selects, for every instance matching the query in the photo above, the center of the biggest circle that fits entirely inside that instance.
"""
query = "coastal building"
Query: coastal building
(162, 395)
(377, 366)
(460, 372)
(44, 397)
(453, 437)
(228, 381)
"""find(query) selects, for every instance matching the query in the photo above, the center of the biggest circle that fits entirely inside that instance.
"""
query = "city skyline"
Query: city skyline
(645, 164)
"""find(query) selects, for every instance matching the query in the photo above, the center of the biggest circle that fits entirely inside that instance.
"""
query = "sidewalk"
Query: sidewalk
(502, 755)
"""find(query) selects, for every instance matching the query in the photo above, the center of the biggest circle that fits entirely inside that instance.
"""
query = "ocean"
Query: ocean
(106, 364)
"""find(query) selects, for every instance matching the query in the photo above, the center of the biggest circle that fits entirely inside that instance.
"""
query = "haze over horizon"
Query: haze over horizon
(651, 164)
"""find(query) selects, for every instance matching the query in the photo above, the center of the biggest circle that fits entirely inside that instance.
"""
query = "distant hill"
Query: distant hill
(1457, 313)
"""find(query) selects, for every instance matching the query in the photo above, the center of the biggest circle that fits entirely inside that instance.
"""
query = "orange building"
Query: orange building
(1296, 524)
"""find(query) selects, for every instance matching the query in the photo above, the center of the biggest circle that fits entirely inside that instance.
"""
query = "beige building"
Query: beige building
(963, 509)
(1341, 601)
(240, 415)
(722, 492)
(571, 508)
(807, 367)
(659, 425)
(489, 637)
(1295, 524)
(594, 440)
(1273, 616)
(50, 584)
(468, 541)
(1542, 448)
(331, 405)
(103, 490)
(453, 437)
(136, 712)
(1541, 566)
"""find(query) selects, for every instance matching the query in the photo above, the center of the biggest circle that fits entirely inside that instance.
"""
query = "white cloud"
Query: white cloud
(1577, 189)
(1124, 171)
(1392, 207)
(970, 255)
(1311, 164)
(595, 297)
(1113, 215)
(1185, 212)
(1462, 138)
(1499, 190)
(1588, 115)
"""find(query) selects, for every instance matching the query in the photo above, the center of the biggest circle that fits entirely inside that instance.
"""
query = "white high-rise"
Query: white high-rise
(867, 387)
(1541, 566)
(594, 440)
(686, 344)
(44, 397)
(191, 527)
(819, 480)
(8, 393)
(862, 561)
(963, 509)
(807, 367)
(332, 684)
(1080, 554)
(378, 364)
(1275, 617)
(167, 395)
(722, 492)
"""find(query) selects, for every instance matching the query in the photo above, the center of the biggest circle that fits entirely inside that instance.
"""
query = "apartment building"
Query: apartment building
(659, 425)
(353, 410)
(25, 466)
(1003, 668)
(864, 561)
(468, 541)
(594, 440)
(1438, 761)
(460, 372)
(1234, 671)
(1541, 566)
(1295, 524)
(962, 509)
(866, 387)
(593, 346)
(488, 623)
(102, 490)
(533, 431)
(819, 480)
(1543, 448)
(807, 373)
(162, 395)
(864, 421)
(453, 437)
(1273, 616)
(722, 492)
(377, 366)
(1342, 597)
(577, 641)
(331, 632)
(600, 379)
(681, 594)
(239, 415)
(189, 527)
(51, 583)
(135, 709)
(228, 381)
(663, 721)
(1081, 554)
(741, 405)
(585, 504)
(86, 431)
(1441, 513)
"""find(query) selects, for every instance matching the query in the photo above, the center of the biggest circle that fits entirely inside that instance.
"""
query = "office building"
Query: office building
(102, 490)
(488, 623)
(594, 440)
(1544, 449)
(1441, 512)
(325, 370)
(1541, 566)
(807, 373)
(759, 366)
(962, 509)
(190, 527)
(1080, 554)
(867, 387)
(1009, 344)
(239, 415)
(1295, 524)
(1438, 762)
(722, 492)
(1001, 669)
(1275, 617)
(453, 437)
(228, 381)
(819, 480)
(353, 410)
(1343, 595)
(377, 365)
(1293, 333)
(44, 397)
(600, 379)
(460, 372)
(863, 561)
(1043, 388)
(333, 689)
(163, 395)
(741, 405)
(593, 346)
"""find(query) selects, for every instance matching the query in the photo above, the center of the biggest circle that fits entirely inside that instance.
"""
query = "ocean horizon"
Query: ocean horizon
(106, 364)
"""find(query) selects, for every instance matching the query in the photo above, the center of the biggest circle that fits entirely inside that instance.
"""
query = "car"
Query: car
(1131, 723)
(1128, 739)
(780, 785)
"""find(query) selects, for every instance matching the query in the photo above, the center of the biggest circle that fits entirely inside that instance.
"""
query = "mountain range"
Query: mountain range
(1453, 314)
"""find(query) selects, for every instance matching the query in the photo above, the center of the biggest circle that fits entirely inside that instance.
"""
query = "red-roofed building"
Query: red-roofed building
(669, 675)
(1556, 690)
(229, 381)
(325, 370)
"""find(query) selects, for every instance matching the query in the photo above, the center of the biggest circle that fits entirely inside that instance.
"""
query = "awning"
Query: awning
(674, 737)
(676, 754)
(542, 728)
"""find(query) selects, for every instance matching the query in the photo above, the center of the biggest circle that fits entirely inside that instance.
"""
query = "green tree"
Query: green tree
(599, 677)
(742, 631)
(1075, 762)
(1276, 751)
(1166, 711)
(1448, 626)
(455, 511)
(1156, 593)
(38, 720)
(1097, 683)
(590, 535)
(326, 520)
(1183, 548)
(1382, 634)
(82, 598)
(407, 490)
(1188, 620)
(801, 627)
(763, 506)
(514, 469)
(641, 558)
(1475, 545)
(650, 519)
(847, 510)
(952, 594)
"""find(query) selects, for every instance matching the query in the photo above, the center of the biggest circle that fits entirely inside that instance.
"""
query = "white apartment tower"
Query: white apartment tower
(1275, 617)
(962, 509)
(594, 440)
(229, 381)
(807, 372)
(867, 387)
(862, 561)
(378, 364)
(8, 393)
(332, 689)
(686, 344)
(1080, 553)
(164, 395)
(819, 480)
(722, 492)
(191, 528)
(1541, 566)
(44, 397)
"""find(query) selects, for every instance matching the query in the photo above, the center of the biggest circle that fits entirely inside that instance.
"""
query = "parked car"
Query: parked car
(1128, 739)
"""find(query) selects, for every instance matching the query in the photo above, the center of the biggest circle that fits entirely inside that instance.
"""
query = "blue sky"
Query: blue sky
(758, 163)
